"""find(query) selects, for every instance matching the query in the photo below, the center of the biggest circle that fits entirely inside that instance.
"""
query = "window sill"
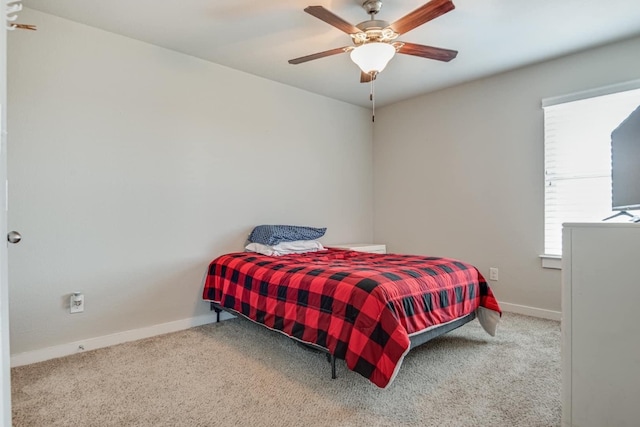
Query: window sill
(551, 261)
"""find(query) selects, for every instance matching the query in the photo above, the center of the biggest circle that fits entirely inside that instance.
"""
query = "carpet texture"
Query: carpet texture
(236, 373)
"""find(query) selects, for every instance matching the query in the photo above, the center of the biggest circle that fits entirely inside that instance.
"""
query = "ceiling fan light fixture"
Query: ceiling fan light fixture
(373, 57)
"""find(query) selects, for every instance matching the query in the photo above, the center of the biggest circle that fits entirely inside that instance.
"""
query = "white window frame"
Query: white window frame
(551, 260)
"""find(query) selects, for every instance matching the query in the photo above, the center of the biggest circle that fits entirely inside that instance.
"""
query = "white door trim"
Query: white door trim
(5, 372)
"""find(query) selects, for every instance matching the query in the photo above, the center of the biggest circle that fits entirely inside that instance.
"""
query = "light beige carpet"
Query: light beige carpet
(237, 373)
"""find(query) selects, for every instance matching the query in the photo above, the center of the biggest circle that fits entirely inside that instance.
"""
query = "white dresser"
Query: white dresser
(363, 247)
(600, 327)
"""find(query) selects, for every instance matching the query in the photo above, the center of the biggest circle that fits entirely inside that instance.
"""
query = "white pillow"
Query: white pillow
(285, 248)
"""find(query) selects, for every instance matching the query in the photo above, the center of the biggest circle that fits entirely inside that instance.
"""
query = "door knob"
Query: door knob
(14, 237)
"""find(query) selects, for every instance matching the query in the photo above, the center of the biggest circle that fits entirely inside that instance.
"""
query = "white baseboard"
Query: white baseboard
(531, 311)
(67, 349)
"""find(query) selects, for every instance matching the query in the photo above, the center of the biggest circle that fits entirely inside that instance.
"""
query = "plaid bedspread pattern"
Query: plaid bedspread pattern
(362, 307)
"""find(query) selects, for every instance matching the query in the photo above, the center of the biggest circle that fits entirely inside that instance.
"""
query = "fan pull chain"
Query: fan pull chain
(372, 98)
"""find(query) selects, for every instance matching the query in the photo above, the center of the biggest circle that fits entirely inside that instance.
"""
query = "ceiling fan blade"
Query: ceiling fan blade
(366, 77)
(319, 55)
(424, 13)
(428, 52)
(332, 19)
(23, 26)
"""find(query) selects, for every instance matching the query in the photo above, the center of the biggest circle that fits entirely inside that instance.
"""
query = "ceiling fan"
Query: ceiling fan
(374, 41)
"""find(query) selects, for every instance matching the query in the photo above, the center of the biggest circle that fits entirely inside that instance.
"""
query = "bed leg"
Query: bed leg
(333, 367)
(332, 359)
(217, 310)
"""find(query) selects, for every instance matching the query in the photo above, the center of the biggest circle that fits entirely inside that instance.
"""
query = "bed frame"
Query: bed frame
(415, 339)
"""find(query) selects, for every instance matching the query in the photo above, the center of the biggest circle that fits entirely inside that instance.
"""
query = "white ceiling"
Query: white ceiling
(258, 37)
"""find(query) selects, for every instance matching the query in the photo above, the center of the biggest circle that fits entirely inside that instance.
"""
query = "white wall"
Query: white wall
(459, 172)
(131, 167)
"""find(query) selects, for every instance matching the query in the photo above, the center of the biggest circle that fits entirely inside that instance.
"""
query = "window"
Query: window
(577, 138)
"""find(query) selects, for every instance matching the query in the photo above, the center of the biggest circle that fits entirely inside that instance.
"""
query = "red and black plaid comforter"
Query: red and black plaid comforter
(362, 307)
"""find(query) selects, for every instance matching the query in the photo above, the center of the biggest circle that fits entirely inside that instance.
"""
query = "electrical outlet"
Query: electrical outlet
(76, 303)
(493, 274)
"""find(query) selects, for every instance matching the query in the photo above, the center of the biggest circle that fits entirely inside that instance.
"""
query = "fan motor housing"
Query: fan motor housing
(373, 24)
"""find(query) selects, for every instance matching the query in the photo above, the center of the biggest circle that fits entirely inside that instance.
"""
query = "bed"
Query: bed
(368, 309)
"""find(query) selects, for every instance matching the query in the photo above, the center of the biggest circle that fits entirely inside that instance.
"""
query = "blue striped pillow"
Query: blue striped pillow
(274, 234)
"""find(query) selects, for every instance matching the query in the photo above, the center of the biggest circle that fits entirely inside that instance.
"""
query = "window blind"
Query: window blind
(577, 154)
